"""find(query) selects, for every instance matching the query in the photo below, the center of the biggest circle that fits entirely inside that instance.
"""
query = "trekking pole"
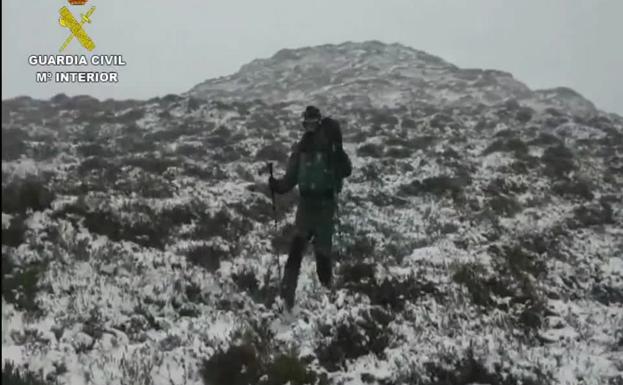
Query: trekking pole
(338, 227)
(272, 195)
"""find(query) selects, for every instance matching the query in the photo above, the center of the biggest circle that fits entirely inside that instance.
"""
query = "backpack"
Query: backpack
(317, 174)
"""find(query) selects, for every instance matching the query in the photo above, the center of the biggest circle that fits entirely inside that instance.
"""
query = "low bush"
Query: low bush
(152, 164)
(398, 152)
(505, 205)
(21, 195)
(13, 142)
(12, 375)
(514, 145)
(546, 139)
(437, 185)
(273, 152)
(208, 257)
(408, 123)
(258, 210)
(224, 224)
(558, 161)
(524, 114)
(591, 215)
(253, 358)
(500, 186)
(581, 189)
(13, 235)
(288, 368)
(370, 150)
(20, 284)
(358, 246)
(354, 337)
(515, 269)
(381, 118)
(391, 293)
(470, 370)
(247, 281)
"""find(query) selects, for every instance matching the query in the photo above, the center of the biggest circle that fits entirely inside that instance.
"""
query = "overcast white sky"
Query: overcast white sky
(172, 45)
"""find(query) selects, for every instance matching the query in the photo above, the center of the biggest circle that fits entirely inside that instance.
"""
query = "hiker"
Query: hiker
(317, 164)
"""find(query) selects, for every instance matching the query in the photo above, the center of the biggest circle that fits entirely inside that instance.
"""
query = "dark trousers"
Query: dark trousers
(293, 267)
(314, 220)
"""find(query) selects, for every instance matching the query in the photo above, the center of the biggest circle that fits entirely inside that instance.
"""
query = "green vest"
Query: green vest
(315, 174)
(317, 169)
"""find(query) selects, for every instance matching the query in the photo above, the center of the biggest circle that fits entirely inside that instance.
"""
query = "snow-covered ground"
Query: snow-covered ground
(477, 243)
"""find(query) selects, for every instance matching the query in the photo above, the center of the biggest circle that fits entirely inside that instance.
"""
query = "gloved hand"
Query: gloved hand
(272, 183)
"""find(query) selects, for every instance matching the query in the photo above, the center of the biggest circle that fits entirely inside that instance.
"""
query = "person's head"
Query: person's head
(311, 118)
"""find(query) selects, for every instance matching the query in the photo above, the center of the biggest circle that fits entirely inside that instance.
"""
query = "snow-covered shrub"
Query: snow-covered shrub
(474, 277)
(243, 364)
(135, 367)
(151, 163)
(21, 195)
(381, 198)
(524, 114)
(207, 256)
(408, 123)
(148, 232)
(13, 234)
(383, 118)
(608, 295)
(287, 368)
(398, 152)
(390, 292)
(131, 115)
(468, 369)
(261, 292)
(368, 173)
(370, 150)
(258, 210)
(436, 185)
(238, 365)
(518, 261)
(254, 358)
(499, 186)
(356, 245)
(509, 287)
(442, 120)
(100, 166)
(545, 139)
(558, 161)
(504, 205)
(224, 224)
(20, 283)
(591, 214)
(359, 334)
(14, 376)
(225, 154)
(514, 145)
(13, 143)
(146, 185)
(276, 151)
(92, 149)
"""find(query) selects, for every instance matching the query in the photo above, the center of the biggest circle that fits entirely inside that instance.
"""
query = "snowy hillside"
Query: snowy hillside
(480, 237)
(373, 74)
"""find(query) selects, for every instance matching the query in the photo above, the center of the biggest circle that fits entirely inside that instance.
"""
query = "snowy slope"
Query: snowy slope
(480, 236)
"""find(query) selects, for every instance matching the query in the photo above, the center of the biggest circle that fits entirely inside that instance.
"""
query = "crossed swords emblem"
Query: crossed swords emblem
(68, 20)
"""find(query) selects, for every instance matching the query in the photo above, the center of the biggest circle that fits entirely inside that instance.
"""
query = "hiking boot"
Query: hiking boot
(323, 269)
(288, 288)
(287, 293)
